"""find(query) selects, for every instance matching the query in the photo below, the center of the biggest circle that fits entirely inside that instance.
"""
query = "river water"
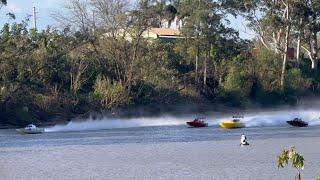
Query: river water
(157, 134)
(161, 148)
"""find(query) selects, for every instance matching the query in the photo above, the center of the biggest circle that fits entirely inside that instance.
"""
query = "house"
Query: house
(163, 34)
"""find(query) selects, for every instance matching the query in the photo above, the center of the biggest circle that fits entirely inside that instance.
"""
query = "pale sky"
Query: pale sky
(23, 8)
(239, 24)
(44, 8)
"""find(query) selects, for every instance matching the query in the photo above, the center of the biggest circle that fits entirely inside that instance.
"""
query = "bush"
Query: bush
(109, 95)
(237, 82)
(295, 83)
(142, 92)
(291, 155)
(22, 117)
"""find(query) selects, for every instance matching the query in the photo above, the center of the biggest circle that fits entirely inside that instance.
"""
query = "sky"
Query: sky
(45, 9)
(23, 8)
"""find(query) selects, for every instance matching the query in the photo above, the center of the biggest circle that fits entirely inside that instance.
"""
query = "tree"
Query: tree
(311, 29)
(273, 23)
(296, 159)
(3, 2)
(204, 28)
(78, 16)
(110, 16)
(170, 13)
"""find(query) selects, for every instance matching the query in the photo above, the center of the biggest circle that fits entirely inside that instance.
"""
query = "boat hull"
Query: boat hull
(197, 124)
(232, 125)
(298, 123)
(34, 131)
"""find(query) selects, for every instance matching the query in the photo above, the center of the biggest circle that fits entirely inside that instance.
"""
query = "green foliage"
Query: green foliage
(236, 79)
(154, 67)
(290, 155)
(110, 95)
(142, 92)
(268, 69)
(64, 72)
(24, 117)
(295, 83)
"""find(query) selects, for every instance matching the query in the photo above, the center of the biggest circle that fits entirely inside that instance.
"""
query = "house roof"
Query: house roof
(165, 31)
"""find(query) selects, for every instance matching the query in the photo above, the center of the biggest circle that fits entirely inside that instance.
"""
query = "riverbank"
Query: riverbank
(192, 109)
(178, 160)
(131, 111)
(63, 111)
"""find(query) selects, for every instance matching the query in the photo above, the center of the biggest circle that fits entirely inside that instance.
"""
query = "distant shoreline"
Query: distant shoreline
(157, 110)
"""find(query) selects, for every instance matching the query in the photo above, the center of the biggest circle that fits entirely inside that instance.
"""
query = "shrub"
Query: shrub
(142, 92)
(295, 83)
(109, 95)
(237, 82)
(296, 159)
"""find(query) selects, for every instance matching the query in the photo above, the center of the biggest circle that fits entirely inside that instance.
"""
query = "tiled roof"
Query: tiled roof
(165, 31)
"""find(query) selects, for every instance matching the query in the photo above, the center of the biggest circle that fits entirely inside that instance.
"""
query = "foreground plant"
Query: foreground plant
(296, 159)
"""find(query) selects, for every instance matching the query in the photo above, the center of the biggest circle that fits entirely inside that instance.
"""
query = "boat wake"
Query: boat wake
(113, 123)
(279, 118)
(256, 119)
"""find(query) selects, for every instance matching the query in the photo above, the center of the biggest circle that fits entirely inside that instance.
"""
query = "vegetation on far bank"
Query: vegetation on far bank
(87, 66)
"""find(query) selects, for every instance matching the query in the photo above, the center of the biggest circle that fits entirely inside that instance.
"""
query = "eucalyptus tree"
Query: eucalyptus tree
(3, 3)
(203, 25)
(141, 19)
(170, 13)
(191, 29)
(305, 27)
(273, 21)
(174, 13)
(310, 28)
(163, 11)
(158, 9)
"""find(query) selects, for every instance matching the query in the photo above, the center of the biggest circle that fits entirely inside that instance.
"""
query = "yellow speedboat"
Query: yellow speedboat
(232, 124)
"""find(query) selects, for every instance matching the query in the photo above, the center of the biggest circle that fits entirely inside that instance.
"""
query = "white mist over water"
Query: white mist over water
(113, 123)
(279, 118)
(274, 118)
(256, 119)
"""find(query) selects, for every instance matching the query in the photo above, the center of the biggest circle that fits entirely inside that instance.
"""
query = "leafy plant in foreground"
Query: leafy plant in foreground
(296, 159)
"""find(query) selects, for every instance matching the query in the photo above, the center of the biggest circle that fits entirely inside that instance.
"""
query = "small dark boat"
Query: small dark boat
(198, 122)
(297, 123)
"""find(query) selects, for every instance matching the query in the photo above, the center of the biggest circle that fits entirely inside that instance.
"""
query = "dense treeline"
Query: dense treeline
(91, 65)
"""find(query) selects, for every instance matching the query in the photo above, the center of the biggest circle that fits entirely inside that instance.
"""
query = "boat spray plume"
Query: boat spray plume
(279, 118)
(113, 123)
(251, 119)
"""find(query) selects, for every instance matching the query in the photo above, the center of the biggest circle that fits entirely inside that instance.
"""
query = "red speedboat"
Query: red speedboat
(198, 122)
